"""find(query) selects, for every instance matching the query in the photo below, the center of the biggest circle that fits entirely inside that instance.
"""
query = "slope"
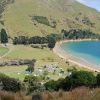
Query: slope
(60, 14)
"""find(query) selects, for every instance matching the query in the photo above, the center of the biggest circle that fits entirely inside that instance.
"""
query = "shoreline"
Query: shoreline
(72, 59)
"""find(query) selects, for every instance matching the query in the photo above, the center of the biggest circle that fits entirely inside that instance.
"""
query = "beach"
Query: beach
(73, 59)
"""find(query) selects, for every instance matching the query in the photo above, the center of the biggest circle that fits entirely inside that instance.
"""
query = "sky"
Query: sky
(91, 3)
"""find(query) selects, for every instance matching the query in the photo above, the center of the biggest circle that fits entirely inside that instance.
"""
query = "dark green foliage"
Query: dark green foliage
(80, 34)
(57, 37)
(31, 78)
(98, 79)
(51, 85)
(10, 84)
(32, 40)
(41, 19)
(51, 42)
(20, 40)
(3, 36)
(33, 83)
(37, 40)
(82, 78)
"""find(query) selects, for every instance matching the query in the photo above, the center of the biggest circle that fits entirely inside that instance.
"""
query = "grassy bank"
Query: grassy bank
(77, 94)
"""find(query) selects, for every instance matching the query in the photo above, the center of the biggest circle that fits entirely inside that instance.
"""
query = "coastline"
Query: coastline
(72, 59)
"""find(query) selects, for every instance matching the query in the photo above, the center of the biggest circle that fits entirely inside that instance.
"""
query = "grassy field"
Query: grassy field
(3, 51)
(43, 57)
(14, 71)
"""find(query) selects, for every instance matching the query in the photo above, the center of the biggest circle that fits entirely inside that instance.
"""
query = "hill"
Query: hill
(42, 17)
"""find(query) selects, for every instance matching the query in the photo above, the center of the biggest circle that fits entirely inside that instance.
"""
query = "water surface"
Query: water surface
(89, 51)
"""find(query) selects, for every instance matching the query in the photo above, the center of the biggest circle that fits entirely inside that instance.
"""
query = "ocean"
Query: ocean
(88, 51)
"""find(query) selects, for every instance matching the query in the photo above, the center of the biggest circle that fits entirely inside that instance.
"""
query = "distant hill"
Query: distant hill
(42, 17)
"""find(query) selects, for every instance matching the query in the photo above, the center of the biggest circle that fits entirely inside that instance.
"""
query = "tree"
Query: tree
(98, 79)
(31, 66)
(51, 42)
(82, 78)
(51, 85)
(3, 36)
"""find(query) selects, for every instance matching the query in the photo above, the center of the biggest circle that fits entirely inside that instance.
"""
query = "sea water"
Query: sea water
(89, 51)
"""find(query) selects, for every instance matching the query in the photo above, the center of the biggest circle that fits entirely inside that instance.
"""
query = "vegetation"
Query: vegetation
(80, 34)
(19, 22)
(34, 83)
(82, 93)
(50, 40)
(76, 79)
(9, 84)
(31, 66)
(41, 19)
(3, 36)
(50, 17)
(3, 51)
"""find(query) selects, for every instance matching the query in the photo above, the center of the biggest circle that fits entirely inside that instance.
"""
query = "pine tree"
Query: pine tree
(3, 36)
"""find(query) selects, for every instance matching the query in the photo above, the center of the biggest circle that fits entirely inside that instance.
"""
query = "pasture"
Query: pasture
(43, 57)
(3, 50)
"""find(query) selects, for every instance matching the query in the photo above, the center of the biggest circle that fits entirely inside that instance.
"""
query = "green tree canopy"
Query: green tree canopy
(3, 36)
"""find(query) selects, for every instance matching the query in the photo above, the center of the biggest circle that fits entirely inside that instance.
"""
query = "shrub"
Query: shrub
(10, 84)
(51, 85)
(98, 79)
(33, 83)
(41, 19)
(82, 78)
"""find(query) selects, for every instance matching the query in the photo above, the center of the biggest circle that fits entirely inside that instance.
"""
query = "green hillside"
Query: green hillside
(51, 16)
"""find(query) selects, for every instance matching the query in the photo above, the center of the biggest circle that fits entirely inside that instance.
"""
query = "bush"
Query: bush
(33, 83)
(41, 19)
(82, 78)
(10, 84)
(51, 85)
(98, 79)
(79, 34)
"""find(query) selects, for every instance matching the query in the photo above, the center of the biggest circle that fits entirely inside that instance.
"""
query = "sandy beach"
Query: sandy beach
(73, 59)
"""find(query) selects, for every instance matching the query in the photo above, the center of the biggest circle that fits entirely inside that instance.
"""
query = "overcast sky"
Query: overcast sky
(91, 3)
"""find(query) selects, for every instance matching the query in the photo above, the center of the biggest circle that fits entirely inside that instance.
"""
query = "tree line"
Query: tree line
(79, 34)
(49, 39)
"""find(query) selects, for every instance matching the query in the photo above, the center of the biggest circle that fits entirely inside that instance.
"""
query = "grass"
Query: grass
(14, 71)
(76, 94)
(43, 56)
(3, 51)
(13, 96)
(18, 17)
